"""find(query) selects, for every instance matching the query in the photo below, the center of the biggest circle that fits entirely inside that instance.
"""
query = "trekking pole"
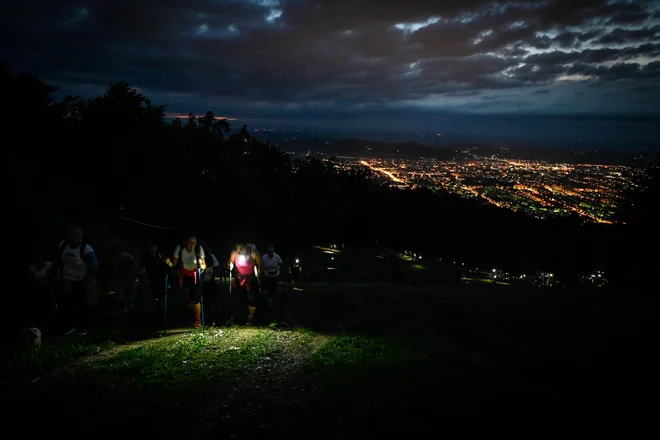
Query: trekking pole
(201, 293)
(167, 279)
(230, 281)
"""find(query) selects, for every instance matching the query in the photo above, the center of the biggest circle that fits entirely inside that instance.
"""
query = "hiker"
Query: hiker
(154, 265)
(189, 257)
(209, 288)
(272, 263)
(122, 274)
(245, 264)
(77, 264)
(294, 271)
(40, 293)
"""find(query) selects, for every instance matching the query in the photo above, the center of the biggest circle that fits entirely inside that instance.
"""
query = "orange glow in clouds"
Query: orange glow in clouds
(178, 116)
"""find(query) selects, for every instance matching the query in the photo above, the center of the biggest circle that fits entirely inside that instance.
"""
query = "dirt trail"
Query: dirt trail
(264, 398)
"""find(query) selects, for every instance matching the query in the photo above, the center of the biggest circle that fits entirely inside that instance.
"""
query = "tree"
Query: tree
(72, 109)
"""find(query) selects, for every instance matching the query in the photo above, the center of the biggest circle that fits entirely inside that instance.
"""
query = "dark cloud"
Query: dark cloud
(572, 39)
(629, 17)
(536, 74)
(623, 36)
(618, 72)
(268, 55)
(594, 55)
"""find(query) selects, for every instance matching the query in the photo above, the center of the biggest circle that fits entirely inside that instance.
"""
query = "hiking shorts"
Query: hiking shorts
(251, 296)
(191, 290)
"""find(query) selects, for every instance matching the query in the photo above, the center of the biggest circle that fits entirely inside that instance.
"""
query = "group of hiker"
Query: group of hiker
(190, 271)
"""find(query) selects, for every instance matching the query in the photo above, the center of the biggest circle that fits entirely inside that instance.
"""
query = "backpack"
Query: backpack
(81, 248)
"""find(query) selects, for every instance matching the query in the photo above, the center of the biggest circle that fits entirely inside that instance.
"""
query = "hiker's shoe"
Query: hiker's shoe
(250, 320)
(197, 323)
(81, 331)
(70, 332)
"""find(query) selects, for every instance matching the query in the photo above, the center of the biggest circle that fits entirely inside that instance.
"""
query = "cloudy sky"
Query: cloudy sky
(407, 63)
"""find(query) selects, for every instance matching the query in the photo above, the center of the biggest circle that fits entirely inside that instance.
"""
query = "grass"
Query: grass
(294, 374)
(365, 359)
(149, 379)
(28, 365)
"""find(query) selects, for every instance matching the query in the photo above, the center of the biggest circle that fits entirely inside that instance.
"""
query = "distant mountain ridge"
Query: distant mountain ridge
(360, 148)
(354, 147)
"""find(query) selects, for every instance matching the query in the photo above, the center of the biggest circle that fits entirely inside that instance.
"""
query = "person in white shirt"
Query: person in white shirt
(272, 264)
(190, 257)
(77, 263)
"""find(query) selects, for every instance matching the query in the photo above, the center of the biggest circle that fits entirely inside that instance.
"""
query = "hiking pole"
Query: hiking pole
(230, 270)
(167, 279)
(201, 293)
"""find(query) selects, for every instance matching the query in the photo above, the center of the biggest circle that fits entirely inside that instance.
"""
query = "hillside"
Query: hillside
(376, 358)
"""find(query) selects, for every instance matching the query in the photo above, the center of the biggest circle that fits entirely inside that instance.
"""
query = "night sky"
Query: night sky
(363, 64)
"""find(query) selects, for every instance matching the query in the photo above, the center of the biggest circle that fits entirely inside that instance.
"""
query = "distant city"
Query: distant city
(539, 189)
(566, 183)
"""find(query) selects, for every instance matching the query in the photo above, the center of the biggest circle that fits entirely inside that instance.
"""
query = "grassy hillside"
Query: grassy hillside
(360, 358)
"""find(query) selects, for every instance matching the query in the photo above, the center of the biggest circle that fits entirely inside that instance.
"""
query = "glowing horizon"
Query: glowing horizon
(181, 116)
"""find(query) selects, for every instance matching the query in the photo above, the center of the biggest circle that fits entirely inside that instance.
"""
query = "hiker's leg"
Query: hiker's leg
(243, 297)
(274, 283)
(194, 296)
(38, 307)
(130, 292)
(65, 310)
(253, 298)
(272, 289)
(47, 307)
(208, 290)
(51, 308)
(79, 296)
(157, 285)
(264, 288)
(183, 298)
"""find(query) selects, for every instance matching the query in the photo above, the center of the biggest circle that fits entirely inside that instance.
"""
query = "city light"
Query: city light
(537, 188)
